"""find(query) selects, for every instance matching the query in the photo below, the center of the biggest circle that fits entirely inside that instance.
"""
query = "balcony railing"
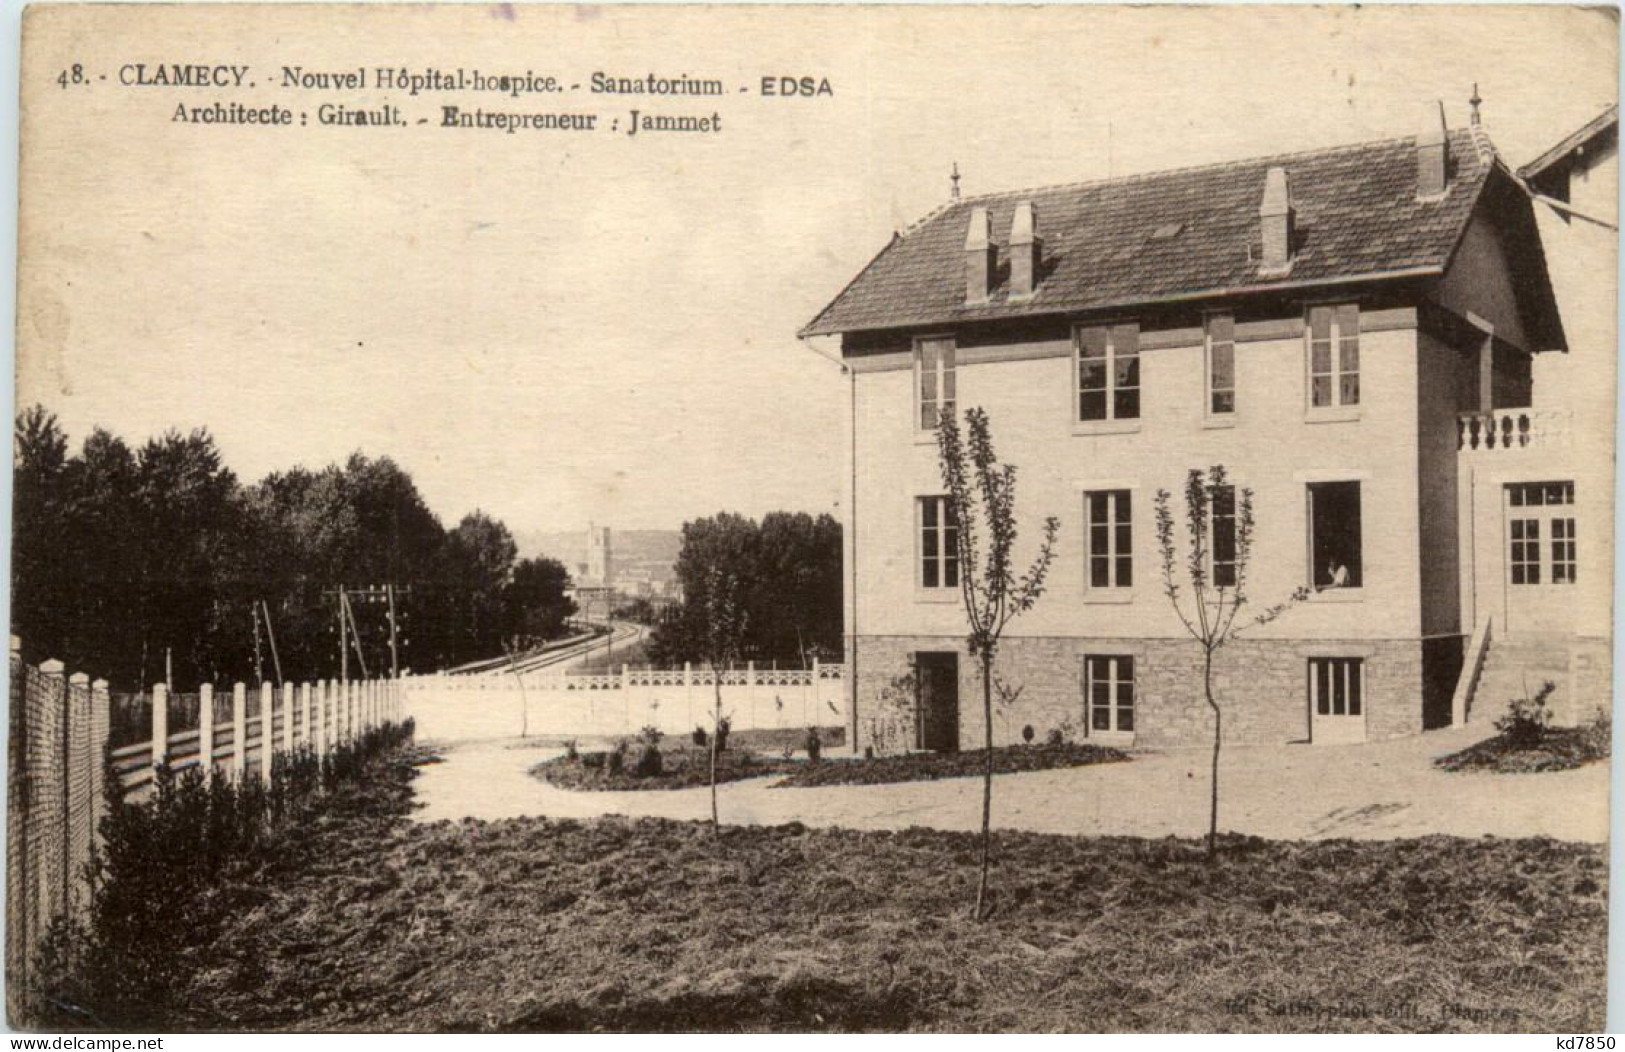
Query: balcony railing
(1509, 429)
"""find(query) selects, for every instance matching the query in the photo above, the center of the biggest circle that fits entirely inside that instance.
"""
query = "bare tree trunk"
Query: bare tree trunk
(1218, 718)
(716, 728)
(987, 783)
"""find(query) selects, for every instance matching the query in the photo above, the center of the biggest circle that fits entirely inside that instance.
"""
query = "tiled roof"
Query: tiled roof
(1108, 243)
(1606, 120)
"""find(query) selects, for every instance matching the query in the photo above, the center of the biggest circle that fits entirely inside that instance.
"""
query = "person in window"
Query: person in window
(1337, 574)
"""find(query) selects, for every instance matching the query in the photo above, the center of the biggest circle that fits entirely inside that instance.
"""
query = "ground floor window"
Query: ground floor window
(1540, 533)
(1335, 686)
(1108, 687)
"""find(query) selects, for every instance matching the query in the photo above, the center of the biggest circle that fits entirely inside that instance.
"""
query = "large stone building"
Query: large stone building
(1352, 332)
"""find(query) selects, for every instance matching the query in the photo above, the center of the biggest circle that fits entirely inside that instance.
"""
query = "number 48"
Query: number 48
(75, 74)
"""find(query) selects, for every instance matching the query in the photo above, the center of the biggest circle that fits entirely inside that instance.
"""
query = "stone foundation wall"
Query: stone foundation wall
(1262, 687)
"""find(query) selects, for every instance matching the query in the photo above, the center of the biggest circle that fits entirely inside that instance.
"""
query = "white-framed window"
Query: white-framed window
(1336, 686)
(1221, 365)
(1222, 554)
(1109, 538)
(1107, 359)
(1541, 533)
(1333, 333)
(1336, 557)
(1108, 691)
(939, 543)
(934, 372)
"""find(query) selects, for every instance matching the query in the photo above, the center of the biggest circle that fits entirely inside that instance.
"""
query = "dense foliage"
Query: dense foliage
(122, 554)
(788, 568)
(174, 866)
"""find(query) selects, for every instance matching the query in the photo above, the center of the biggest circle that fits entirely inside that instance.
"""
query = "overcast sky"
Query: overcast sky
(559, 329)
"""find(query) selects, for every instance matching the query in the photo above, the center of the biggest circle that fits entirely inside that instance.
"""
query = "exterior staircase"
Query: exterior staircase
(1516, 666)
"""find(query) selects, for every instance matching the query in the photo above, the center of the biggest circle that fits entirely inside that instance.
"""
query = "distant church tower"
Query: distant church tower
(600, 560)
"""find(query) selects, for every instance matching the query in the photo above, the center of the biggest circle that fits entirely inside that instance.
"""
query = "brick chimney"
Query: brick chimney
(1026, 249)
(1275, 220)
(979, 256)
(1432, 153)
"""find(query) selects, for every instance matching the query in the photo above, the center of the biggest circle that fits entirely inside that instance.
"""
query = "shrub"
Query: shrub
(1027, 734)
(571, 753)
(868, 752)
(815, 747)
(700, 737)
(650, 735)
(593, 761)
(167, 862)
(1056, 737)
(617, 757)
(1527, 718)
(649, 763)
(724, 725)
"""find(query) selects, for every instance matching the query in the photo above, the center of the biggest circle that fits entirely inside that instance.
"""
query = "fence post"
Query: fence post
(318, 739)
(289, 691)
(101, 717)
(160, 726)
(750, 694)
(75, 702)
(205, 730)
(688, 693)
(267, 741)
(303, 698)
(239, 730)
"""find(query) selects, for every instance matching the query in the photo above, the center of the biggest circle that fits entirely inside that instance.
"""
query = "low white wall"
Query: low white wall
(475, 708)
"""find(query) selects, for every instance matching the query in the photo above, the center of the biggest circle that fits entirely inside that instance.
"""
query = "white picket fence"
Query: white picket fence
(318, 716)
(619, 704)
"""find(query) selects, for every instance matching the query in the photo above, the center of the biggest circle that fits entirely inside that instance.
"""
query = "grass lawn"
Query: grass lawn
(1558, 749)
(372, 922)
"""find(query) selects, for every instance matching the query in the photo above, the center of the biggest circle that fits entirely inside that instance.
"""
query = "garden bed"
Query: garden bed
(682, 767)
(930, 766)
(1557, 749)
(375, 923)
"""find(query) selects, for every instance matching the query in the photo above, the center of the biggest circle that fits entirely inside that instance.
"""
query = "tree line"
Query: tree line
(127, 559)
(784, 575)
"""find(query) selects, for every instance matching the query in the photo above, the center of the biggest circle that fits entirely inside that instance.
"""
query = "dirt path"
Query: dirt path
(1376, 791)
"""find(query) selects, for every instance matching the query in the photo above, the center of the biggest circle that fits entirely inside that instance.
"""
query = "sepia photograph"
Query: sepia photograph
(811, 519)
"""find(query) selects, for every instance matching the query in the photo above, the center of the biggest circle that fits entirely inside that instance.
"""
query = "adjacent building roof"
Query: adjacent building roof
(1185, 234)
(1605, 122)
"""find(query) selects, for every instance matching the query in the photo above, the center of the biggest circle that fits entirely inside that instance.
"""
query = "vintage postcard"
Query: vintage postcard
(813, 518)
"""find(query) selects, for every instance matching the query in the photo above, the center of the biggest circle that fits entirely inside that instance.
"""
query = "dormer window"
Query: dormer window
(1108, 361)
(934, 370)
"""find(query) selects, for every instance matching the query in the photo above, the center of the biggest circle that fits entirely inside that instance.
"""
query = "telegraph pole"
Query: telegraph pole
(344, 644)
(270, 633)
(394, 654)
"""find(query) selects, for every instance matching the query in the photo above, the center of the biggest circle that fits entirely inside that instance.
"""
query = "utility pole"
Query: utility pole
(394, 654)
(355, 636)
(270, 634)
(259, 664)
(344, 644)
